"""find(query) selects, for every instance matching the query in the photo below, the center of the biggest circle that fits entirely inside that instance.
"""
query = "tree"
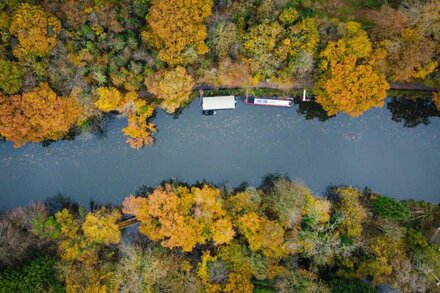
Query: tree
(286, 200)
(234, 74)
(108, 99)
(383, 262)
(100, 226)
(350, 83)
(37, 115)
(173, 87)
(182, 217)
(352, 212)
(263, 235)
(223, 38)
(225, 272)
(138, 130)
(84, 248)
(35, 29)
(260, 45)
(350, 286)
(37, 276)
(390, 208)
(176, 25)
(10, 77)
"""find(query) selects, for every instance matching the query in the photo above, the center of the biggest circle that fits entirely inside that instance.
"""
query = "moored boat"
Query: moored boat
(272, 102)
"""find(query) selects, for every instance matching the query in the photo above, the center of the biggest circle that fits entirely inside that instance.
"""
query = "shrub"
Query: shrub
(37, 276)
(350, 286)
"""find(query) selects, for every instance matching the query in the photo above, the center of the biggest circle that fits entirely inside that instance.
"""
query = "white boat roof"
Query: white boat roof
(272, 102)
(218, 103)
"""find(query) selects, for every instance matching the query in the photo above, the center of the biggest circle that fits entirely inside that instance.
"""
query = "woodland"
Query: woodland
(64, 64)
(278, 237)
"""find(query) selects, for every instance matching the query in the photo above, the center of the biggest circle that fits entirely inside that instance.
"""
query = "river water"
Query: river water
(400, 159)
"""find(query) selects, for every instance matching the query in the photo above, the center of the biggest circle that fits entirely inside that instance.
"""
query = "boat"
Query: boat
(272, 102)
(210, 105)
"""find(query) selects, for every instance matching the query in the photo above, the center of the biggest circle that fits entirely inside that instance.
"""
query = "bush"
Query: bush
(37, 276)
(350, 286)
(390, 208)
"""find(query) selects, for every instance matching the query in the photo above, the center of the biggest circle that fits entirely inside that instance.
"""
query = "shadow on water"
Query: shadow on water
(412, 112)
(312, 110)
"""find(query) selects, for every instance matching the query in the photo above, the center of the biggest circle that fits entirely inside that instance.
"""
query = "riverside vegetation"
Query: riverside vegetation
(202, 238)
(65, 63)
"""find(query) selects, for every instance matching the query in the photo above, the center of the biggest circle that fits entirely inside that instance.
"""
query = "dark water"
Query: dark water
(236, 146)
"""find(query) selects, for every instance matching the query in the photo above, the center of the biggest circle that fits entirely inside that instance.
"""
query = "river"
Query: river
(400, 159)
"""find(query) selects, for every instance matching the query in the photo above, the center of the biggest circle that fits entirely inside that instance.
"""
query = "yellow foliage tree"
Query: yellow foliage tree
(35, 29)
(79, 245)
(108, 99)
(386, 254)
(173, 87)
(101, 227)
(182, 217)
(238, 272)
(176, 25)
(350, 83)
(138, 131)
(263, 235)
(37, 115)
(353, 213)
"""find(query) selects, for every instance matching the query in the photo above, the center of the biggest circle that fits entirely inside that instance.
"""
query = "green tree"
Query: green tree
(390, 208)
(11, 79)
(37, 276)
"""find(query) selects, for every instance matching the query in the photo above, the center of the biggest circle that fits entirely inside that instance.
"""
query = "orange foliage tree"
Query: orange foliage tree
(173, 87)
(234, 74)
(176, 25)
(350, 83)
(37, 115)
(182, 217)
(35, 29)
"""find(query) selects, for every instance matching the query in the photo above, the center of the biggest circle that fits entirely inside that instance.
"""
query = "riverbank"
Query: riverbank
(277, 237)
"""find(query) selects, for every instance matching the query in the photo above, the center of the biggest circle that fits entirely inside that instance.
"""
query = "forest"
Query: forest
(278, 237)
(64, 64)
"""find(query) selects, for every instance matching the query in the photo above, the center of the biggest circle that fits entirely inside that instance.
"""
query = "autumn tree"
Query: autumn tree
(177, 25)
(139, 130)
(353, 213)
(350, 83)
(37, 115)
(234, 74)
(260, 45)
(412, 53)
(109, 99)
(83, 246)
(223, 38)
(35, 29)
(11, 78)
(383, 262)
(173, 87)
(182, 217)
(286, 201)
(228, 270)
(263, 234)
